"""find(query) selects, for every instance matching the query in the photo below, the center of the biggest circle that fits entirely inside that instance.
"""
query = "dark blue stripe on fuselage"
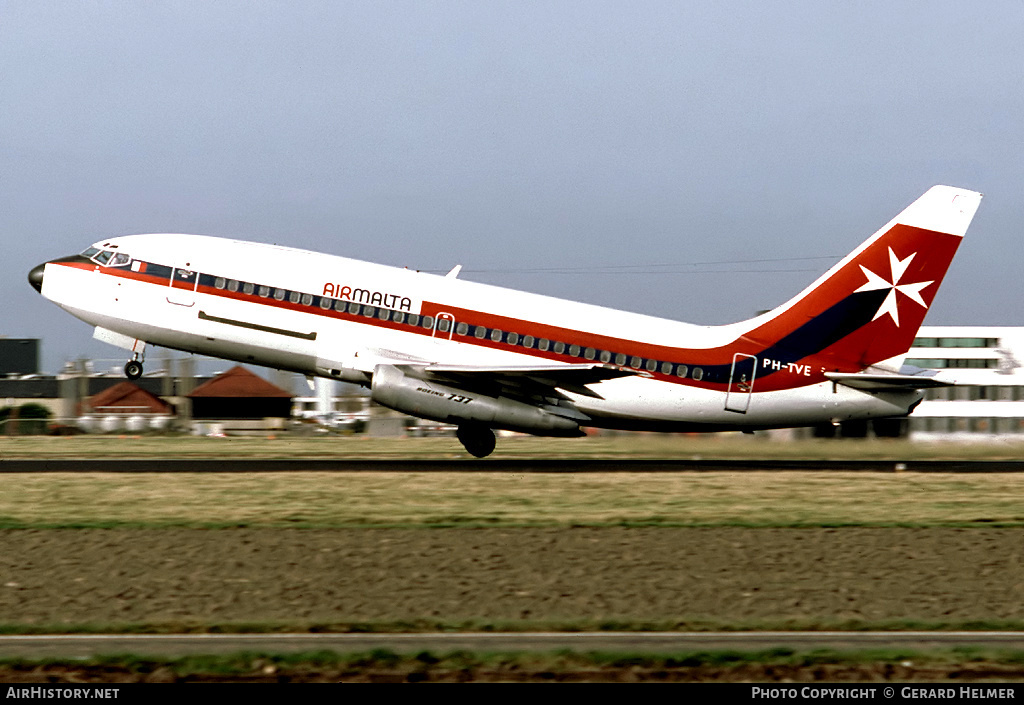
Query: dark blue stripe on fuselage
(825, 329)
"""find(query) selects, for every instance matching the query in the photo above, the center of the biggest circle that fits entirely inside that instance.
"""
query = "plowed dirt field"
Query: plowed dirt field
(672, 577)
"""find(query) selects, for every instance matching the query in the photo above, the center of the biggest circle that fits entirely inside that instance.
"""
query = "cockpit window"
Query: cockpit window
(107, 257)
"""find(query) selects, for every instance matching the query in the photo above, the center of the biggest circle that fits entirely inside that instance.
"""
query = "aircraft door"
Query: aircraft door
(444, 326)
(181, 289)
(741, 383)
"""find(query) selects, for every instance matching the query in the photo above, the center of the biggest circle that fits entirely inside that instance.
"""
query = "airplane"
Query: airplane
(485, 358)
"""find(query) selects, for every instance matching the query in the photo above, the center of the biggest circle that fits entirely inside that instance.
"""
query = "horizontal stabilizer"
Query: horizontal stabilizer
(885, 382)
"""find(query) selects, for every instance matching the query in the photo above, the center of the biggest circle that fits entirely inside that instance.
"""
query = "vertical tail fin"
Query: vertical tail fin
(869, 307)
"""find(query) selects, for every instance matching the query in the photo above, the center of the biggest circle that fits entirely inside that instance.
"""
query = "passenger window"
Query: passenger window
(543, 344)
(294, 297)
(462, 328)
(414, 319)
(698, 373)
(528, 341)
(307, 299)
(353, 307)
(427, 321)
(496, 335)
(325, 303)
(512, 338)
(652, 365)
(666, 368)
(264, 291)
(480, 332)
(620, 359)
(398, 317)
(574, 350)
(605, 356)
(443, 324)
(248, 287)
(682, 371)
(634, 362)
(220, 282)
(279, 294)
(589, 353)
(383, 314)
(559, 347)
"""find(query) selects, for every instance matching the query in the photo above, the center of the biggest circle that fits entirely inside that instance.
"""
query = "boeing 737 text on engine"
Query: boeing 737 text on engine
(486, 358)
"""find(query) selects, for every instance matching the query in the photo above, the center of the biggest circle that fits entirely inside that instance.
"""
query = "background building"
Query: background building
(19, 356)
(240, 401)
(985, 362)
(125, 406)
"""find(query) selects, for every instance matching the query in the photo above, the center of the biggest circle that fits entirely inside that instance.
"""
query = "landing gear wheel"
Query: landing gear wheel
(133, 370)
(477, 440)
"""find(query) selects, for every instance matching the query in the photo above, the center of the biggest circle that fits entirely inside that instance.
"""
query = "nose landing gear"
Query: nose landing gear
(133, 370)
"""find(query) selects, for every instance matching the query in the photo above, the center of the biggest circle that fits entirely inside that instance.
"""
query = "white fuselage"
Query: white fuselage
(329, 316)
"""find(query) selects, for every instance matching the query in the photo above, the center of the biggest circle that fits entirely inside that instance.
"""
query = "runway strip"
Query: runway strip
(177, 645)
(554, 465)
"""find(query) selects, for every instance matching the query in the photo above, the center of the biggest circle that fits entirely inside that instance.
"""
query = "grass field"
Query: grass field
(316, 499)
(965, 666)
(507, 498)
(631, 446)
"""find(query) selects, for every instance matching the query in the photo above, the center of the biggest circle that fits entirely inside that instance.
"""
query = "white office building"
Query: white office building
(986, 364)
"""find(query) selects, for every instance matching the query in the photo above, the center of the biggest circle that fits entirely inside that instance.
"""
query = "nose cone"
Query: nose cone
(35, 278)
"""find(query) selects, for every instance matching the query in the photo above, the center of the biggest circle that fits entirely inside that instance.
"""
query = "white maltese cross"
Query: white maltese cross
(898, 268)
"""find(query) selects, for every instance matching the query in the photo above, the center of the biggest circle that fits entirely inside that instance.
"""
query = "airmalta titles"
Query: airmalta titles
(365, 296)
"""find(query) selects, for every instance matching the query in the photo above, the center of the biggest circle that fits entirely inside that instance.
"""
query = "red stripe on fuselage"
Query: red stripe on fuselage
(711, 357)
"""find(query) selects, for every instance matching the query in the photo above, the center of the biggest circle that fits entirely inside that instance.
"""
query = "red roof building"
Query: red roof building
(240, 394)
(127, 398)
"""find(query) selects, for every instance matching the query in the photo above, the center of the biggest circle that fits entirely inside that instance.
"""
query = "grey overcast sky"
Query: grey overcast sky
(692, 160)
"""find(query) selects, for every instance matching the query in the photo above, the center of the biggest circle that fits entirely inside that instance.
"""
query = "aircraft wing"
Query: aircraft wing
(537, 381)
(886, 382)
(529, 383)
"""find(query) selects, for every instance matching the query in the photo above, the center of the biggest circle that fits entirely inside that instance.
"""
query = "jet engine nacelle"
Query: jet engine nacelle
(392, 388)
